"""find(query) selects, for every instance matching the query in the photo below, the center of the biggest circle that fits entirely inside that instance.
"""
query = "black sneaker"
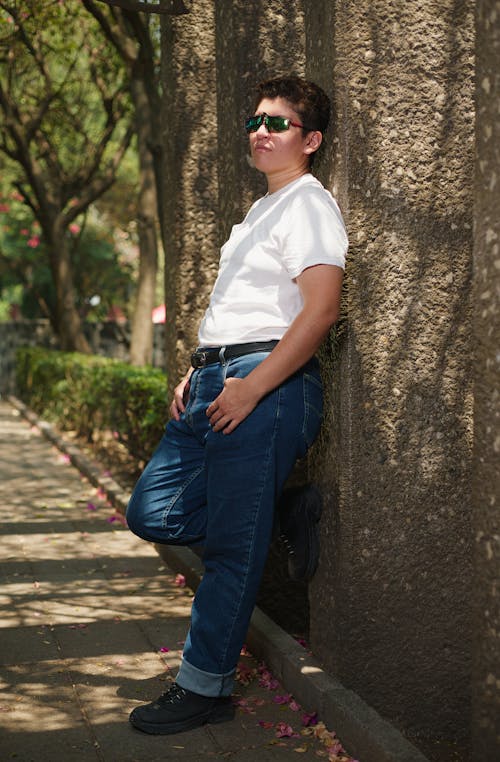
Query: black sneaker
(179, 709)
(299, 511)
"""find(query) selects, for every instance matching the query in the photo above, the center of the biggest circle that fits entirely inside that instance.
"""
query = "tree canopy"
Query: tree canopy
(66, 128)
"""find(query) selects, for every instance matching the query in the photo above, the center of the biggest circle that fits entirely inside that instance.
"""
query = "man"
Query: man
(250, 405)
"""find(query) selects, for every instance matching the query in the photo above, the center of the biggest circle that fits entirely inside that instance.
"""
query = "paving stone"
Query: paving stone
(92, 623)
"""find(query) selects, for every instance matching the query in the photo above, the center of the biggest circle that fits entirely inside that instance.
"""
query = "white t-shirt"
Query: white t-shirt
(255, 296)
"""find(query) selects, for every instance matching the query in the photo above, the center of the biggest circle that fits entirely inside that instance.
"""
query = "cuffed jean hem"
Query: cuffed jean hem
(205, 683)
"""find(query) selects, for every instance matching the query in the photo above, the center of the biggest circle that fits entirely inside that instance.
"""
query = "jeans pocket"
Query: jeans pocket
(193, 389)
(313, 407)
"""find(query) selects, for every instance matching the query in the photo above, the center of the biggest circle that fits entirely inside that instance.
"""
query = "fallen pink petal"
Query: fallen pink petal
(244, 674)
(164, 650)
(282, 699)
(240, 702)
(309, 719)
(91, 507)
(294, 706)
(266, 724)
(267, 680)
(285, 731)
(336, 749)
(247, 709)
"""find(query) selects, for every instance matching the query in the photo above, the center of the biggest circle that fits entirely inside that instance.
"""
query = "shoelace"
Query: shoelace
(175, 693)
(286, 542)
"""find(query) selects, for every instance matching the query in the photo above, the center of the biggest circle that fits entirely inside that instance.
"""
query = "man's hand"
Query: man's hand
(235, 402)
(181, 394)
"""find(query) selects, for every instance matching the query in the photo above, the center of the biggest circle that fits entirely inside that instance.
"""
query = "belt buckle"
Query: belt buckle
(198, 359)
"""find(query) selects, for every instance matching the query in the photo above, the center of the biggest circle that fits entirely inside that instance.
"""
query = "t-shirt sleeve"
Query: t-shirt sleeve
(313, 233)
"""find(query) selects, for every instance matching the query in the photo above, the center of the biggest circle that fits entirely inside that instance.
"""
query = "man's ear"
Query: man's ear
(314, 140)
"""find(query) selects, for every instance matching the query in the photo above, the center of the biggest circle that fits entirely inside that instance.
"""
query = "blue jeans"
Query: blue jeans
(219, 490)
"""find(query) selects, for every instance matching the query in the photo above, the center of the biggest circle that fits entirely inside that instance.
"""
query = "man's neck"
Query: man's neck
(280, 179)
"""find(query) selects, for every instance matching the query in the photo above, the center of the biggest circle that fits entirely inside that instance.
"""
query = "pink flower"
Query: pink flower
(335, 749)
(164, 650)
(266, 724)
(117, 517)
(301, 642)
(285, 731)
(240, 702)
(244, 674)
(282, 699)
(294, 706)
(180, 580)
(266, 680)
(4, 208)
(309, 719)
(74, 229)
(34, 241)
(245, 707)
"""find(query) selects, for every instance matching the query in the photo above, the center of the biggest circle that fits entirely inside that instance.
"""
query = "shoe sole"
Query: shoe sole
(214, 716)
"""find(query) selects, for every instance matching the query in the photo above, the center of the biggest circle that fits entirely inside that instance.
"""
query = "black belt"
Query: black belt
(203, 356)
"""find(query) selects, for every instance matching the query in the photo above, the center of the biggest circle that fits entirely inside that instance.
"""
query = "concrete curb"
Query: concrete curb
(360, 727)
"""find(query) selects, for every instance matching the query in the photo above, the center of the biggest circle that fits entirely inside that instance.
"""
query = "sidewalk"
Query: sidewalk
(92, 623)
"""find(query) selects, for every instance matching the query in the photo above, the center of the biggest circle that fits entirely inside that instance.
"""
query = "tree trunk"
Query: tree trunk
(141, 344)
(69, 324)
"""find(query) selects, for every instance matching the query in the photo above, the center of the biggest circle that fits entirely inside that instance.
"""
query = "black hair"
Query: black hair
(308, 99)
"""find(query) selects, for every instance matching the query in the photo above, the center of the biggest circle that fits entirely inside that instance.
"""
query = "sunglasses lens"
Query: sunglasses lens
(277, 123)
(273, 123)
(253, 123)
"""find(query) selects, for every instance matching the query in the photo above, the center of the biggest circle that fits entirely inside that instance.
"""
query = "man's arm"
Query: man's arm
(320, 287)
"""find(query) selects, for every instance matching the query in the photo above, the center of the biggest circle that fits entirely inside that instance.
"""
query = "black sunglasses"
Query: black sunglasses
(272, 123)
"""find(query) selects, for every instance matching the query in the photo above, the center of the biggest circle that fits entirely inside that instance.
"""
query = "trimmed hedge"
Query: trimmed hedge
(86, 393)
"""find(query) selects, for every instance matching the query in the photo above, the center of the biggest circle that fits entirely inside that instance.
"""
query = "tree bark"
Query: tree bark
(141, 345)
(69, 324)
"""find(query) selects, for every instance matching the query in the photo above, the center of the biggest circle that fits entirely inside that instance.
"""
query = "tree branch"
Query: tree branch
(90, 191)
(112, 32)
(27, 198)
(173, 7)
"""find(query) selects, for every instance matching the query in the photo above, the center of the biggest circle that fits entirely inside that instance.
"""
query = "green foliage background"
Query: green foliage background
(86, 393)
(68, 78)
